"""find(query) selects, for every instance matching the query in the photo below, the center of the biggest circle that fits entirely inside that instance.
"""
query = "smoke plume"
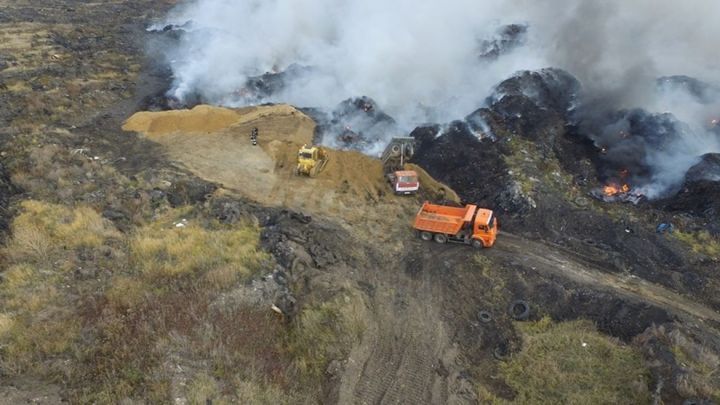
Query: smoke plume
(438, 60)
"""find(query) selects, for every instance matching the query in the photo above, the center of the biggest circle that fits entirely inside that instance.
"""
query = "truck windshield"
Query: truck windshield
(306, 155)
(407, 179)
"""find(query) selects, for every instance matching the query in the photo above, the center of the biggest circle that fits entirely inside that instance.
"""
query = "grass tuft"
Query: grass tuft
(323, 331)
(572, 363)
(701, 242)
(231, 253)
(42, 231)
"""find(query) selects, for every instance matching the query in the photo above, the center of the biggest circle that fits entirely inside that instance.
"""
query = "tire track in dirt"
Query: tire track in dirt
(398, 358)
(547, 258)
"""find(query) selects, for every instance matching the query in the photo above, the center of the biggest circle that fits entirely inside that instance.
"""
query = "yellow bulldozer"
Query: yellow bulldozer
(311, 160)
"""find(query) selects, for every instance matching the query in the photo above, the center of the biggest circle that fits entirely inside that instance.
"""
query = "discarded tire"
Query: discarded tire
(484, 316)
(501, 352)
(520, 310)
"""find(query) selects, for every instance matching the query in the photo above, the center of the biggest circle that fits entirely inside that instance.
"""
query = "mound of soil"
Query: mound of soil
(356, 124)
(204, 119)
(702, 92)
(472, 167)
(707, 169)
(700, 194)
(507, 38)
(214, 144)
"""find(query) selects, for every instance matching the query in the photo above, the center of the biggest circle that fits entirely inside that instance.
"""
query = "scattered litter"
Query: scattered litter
(584, 344)
(181, 224)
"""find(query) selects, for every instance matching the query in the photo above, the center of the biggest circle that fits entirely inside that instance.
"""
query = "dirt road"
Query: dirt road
(400, 356)
(552, 259)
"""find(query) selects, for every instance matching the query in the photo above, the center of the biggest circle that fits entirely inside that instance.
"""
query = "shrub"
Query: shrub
(202, 390)
(42, 231)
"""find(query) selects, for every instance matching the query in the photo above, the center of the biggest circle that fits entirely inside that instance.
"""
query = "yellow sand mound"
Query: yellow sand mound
(214, 143)
(280, 121)
(201, 119)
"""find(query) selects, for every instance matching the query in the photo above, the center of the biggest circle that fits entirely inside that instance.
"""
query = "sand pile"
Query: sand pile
(280, 121)
(214, 143)
(432, 189)
(201, 119)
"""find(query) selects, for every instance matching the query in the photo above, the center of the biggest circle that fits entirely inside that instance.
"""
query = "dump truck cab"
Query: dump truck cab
(484, 227)
(404, 181)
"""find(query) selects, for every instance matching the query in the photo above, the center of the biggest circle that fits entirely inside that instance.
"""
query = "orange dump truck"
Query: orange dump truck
(470, 225)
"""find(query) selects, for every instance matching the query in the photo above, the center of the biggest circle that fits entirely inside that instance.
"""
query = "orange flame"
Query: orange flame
(614, 189)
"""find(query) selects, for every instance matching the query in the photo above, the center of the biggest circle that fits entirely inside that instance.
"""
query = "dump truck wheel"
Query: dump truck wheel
(440, 238)
(478, 244)
(426, 236)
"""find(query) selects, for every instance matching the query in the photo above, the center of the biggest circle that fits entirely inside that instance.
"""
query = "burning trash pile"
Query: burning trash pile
(651, 152)
(617, 192)
(356, 124)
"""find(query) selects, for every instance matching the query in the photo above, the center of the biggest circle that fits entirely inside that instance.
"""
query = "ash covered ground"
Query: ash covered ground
(144, 265)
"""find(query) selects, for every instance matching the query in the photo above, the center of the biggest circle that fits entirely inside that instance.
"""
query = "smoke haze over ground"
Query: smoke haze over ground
(428, 61)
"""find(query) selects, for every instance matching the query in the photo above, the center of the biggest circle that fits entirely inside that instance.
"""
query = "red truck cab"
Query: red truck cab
(404, 181)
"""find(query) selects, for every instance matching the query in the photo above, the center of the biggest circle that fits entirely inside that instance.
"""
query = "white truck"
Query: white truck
(398, 151)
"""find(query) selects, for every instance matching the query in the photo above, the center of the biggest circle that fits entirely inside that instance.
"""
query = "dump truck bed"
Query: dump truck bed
(442, 219)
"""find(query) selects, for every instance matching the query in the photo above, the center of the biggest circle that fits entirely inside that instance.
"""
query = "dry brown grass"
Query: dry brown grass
(701, 242)
(324, 331)
(45, 242)
(162, 283)
(68, 176)
(572, 363)
(229, 254)
(42, 230)
(698, 364)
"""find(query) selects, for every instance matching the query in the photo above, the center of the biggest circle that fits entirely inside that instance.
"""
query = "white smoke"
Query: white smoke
(419, 60)
(697, 138)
